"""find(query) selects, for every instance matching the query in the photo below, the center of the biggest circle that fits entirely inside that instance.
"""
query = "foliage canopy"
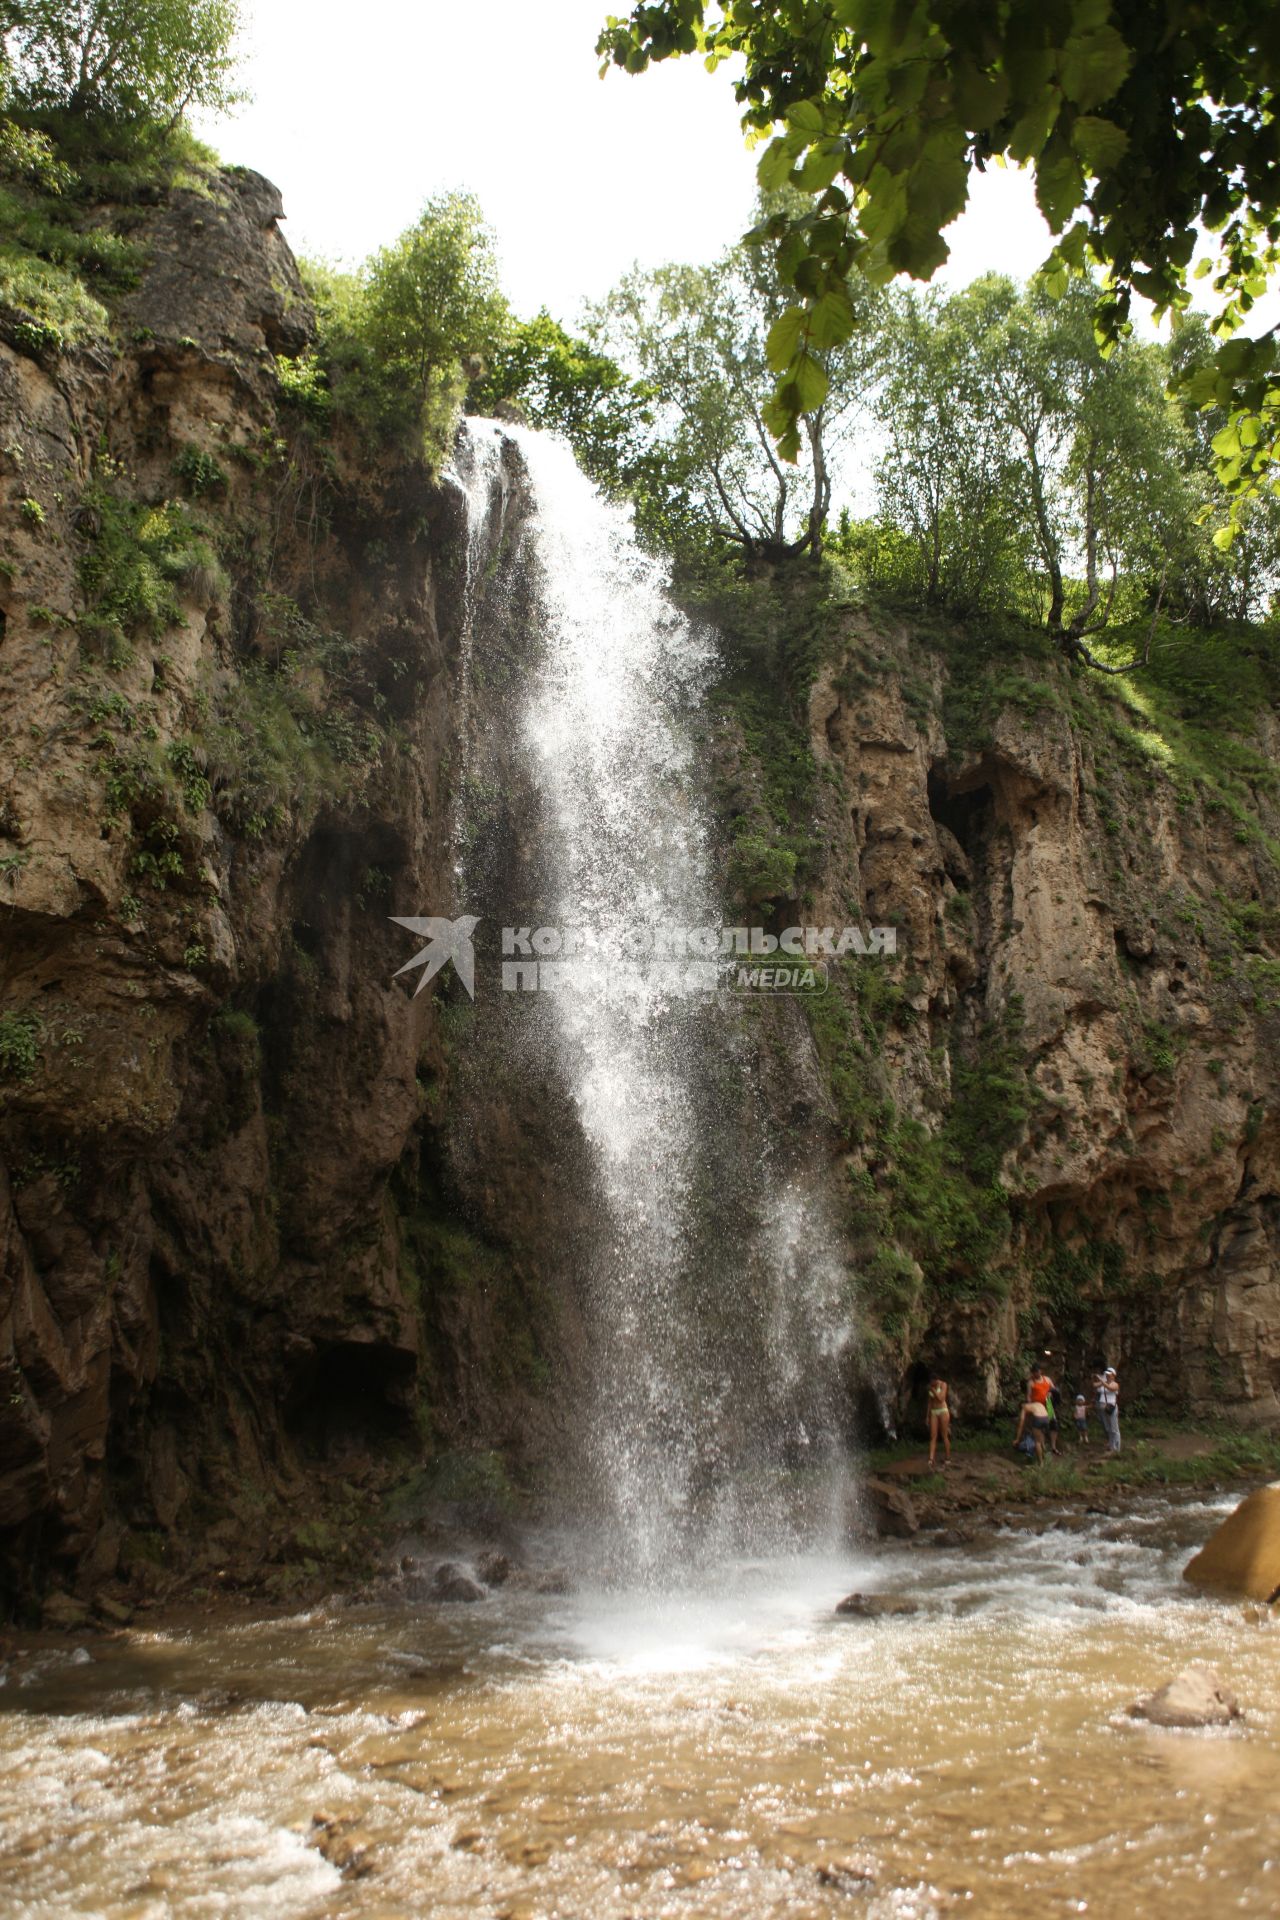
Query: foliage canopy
(130, 59)
(1142, 122)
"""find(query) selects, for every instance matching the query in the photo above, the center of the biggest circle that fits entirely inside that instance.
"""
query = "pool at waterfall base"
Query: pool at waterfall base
(736, 1750)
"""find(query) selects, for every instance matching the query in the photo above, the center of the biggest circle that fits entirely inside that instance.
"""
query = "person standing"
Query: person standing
(1033, 1423)
(1082, 1421)
(939, 1408)
(1041, 1390)
(1107, 1390)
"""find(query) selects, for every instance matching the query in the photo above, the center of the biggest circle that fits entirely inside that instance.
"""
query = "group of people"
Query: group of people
(1038, 1423)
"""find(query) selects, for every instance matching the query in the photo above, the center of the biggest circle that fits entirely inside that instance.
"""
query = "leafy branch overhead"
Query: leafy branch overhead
(1143, 124)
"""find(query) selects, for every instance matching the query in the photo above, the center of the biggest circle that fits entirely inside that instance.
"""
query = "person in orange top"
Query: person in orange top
(1041, 1392)
(939, 1408)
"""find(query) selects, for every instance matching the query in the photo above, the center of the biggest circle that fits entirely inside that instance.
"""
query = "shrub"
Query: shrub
(20, 1037)
(200, 472)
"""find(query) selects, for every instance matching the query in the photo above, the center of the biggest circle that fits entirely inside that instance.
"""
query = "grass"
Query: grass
(1154, 1454)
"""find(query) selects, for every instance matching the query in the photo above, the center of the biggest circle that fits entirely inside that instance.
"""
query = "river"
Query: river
(741, 1751)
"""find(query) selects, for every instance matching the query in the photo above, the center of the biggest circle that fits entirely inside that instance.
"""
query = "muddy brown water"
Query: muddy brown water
(740, 1752)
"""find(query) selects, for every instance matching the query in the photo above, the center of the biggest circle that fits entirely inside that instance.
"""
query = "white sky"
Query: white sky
(360, 119)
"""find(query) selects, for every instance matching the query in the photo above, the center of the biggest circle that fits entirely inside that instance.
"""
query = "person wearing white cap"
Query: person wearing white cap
(1107, 1389)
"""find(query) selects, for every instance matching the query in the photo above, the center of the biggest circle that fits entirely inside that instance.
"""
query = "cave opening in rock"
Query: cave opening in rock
(967, 815)
(350, 1395)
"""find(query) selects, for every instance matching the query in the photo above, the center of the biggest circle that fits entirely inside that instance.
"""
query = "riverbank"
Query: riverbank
(990, 1484)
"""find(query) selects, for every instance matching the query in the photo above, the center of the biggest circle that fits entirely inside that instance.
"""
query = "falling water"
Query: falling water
(716, 1342)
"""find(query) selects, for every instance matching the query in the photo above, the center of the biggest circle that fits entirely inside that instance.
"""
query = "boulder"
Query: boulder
(1243, 1556)
(63, 1612)
(1197, 1697)
(452, 1582)
(494, 1569)
(875, 1606)
(892, 1510)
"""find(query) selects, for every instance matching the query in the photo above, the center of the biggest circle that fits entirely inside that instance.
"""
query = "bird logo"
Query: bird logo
(446, 940)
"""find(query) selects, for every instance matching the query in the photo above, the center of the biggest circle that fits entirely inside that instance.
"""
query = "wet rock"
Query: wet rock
(64, 1613)
(451, 1581)
(494, 1569)
(343, 1843)
(116, 1612)
(949, 1537)
(893, 1510)
(847, 1876)
(875, 1606)
(1243, 1556)
(1197, 1697)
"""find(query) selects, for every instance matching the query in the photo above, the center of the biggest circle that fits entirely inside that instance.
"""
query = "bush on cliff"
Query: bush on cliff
(401, 338)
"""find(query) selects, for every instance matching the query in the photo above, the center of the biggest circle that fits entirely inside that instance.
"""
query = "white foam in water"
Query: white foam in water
(748, 1615)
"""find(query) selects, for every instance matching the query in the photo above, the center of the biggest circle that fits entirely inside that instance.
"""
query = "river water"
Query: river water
(743, 1752)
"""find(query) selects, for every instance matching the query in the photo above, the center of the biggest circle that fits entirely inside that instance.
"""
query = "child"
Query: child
(1082, 1420)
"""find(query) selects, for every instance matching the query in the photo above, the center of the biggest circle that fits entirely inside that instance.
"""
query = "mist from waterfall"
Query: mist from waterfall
(717, 1308)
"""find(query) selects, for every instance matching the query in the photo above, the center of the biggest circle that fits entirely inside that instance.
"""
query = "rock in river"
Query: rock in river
(875, 1606)
(1198, 1697)
(1243, 1556)
(453, 1582)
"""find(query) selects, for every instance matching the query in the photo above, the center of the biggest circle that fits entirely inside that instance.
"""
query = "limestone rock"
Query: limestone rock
(1197, 1697)
(1243, 1556)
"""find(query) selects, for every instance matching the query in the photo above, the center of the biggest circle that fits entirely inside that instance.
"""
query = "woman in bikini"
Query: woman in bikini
(1034, 1422)
(939, 1421)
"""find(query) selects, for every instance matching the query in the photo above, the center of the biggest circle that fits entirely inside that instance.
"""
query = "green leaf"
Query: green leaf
(791, 252)
(1223, 538)
(1093, 66)
(1100, 143)
(821, 165)
(785, 337)
(811, 382)
(789, 445)
(774, 167)
(805, 116)
(831, 318)
(1035, 126)
(1059, 184)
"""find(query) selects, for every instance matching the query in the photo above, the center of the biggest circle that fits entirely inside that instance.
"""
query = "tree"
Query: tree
(146, 60)
(1098, 448)
(402, 337)
(1143, 123)
(569, 386)
(699, 338)
(947, 480)
(1022, 470)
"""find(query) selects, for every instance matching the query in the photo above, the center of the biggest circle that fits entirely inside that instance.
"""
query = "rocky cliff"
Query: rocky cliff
(1059, 1117)
(270, 1224)
(230, 656)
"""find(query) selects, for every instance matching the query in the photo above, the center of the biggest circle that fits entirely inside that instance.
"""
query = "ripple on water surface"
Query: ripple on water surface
(739, 1751)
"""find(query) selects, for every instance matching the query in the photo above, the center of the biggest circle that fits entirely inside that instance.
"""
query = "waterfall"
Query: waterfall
(716, 1293)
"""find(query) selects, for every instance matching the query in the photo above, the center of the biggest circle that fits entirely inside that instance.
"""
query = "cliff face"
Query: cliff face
(265, 1218)
(1086, 1005)
(230, 662)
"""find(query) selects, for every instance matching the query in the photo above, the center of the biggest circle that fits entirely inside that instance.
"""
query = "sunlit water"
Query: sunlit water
(741, 1753)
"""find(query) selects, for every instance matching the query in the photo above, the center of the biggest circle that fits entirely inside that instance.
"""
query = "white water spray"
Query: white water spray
(712, 1362)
